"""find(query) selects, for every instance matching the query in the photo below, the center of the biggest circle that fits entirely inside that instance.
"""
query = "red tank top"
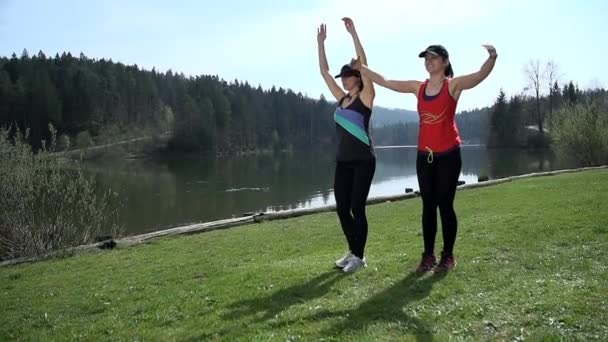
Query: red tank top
(438, 131)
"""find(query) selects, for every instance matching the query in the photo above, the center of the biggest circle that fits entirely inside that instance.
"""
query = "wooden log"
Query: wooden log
(280, 215)
(138, 239)
(185, 230)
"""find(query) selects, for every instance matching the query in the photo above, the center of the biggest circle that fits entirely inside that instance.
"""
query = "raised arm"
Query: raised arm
(398, 86)
(336, 91)
(469, 81)
(368, 85)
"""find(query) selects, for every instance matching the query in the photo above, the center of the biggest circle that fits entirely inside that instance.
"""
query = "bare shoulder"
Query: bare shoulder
(416, 85)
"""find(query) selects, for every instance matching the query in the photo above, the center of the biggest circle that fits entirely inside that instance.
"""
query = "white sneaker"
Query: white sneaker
(354, 263)
(343, 261)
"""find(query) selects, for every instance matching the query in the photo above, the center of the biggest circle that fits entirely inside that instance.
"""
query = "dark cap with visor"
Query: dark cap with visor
(347, 71)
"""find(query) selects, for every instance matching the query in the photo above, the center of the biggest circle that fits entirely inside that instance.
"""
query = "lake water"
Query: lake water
(159, 194)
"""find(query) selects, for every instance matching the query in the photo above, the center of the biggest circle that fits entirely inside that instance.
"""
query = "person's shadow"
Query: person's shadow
(386, 306)
(282, 299)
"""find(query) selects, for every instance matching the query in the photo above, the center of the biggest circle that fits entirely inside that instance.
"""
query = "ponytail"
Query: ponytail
(449, 72)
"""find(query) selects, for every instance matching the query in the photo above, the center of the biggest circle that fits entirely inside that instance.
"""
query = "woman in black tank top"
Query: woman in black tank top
(355, 157)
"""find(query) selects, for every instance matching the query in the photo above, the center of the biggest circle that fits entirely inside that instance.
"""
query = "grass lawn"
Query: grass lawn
(533, 265)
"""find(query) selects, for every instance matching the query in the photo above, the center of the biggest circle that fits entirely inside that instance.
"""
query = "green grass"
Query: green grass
(532, 254)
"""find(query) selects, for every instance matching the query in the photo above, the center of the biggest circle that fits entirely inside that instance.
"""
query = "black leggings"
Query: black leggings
(351, 187)
(438, 177)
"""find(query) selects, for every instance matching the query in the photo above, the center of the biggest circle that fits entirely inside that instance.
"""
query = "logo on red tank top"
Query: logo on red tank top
(430, 118)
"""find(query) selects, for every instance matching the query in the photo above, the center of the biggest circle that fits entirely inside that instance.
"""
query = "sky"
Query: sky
(271, 43)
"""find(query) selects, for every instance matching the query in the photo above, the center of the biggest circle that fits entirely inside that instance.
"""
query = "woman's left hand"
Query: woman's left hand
(349, 24)
(491, 50)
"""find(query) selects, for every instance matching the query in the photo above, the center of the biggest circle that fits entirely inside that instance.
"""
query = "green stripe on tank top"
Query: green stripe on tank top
(352, 129)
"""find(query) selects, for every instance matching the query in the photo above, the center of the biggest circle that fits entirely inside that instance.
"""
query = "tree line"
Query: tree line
(102, 98)
(97, 101)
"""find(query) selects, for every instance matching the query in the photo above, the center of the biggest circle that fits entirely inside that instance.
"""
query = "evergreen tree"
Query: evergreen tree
(498, 122)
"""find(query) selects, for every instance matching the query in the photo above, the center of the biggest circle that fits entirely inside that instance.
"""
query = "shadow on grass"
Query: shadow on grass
(279, 301)
(384, 307)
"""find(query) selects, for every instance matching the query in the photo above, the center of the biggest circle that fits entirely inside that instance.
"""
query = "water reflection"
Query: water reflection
(159, 194)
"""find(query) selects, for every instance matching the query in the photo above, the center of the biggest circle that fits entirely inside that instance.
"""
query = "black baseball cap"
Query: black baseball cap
(347, 71)
(438, 50)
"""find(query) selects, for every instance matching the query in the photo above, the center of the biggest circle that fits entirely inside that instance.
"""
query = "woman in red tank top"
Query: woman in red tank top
(438, 164)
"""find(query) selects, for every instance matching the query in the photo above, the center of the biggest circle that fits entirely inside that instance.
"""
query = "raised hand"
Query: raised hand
(349, 24)
(491, 50)
(321, 33)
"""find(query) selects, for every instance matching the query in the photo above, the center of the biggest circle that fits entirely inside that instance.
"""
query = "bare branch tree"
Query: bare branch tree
(553, 76)
(536, 76)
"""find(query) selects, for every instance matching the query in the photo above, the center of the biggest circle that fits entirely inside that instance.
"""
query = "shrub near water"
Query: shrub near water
(580, 132)
(45, 206)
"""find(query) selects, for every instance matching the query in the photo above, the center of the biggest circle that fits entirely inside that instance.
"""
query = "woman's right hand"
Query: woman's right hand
(321, 34)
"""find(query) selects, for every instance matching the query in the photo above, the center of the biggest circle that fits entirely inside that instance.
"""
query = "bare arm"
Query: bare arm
(469, 81)
(398, 86)
(368, 86)
(336, 91)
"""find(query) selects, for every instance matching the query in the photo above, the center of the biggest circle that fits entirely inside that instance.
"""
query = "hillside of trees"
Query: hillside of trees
(101, 99)
(390, 116)
(471, 124)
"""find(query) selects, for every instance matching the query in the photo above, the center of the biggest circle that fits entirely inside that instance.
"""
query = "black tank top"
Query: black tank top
(352, 126)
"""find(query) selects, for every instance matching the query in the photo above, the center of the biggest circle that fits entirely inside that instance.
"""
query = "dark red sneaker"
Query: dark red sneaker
(427, 263)
(446, 263)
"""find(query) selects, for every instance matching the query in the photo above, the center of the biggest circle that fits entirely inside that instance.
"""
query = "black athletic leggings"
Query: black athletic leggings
(438, 177)
(351, 187)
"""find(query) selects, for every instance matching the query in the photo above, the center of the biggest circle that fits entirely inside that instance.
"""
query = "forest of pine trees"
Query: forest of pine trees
(79, 95)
